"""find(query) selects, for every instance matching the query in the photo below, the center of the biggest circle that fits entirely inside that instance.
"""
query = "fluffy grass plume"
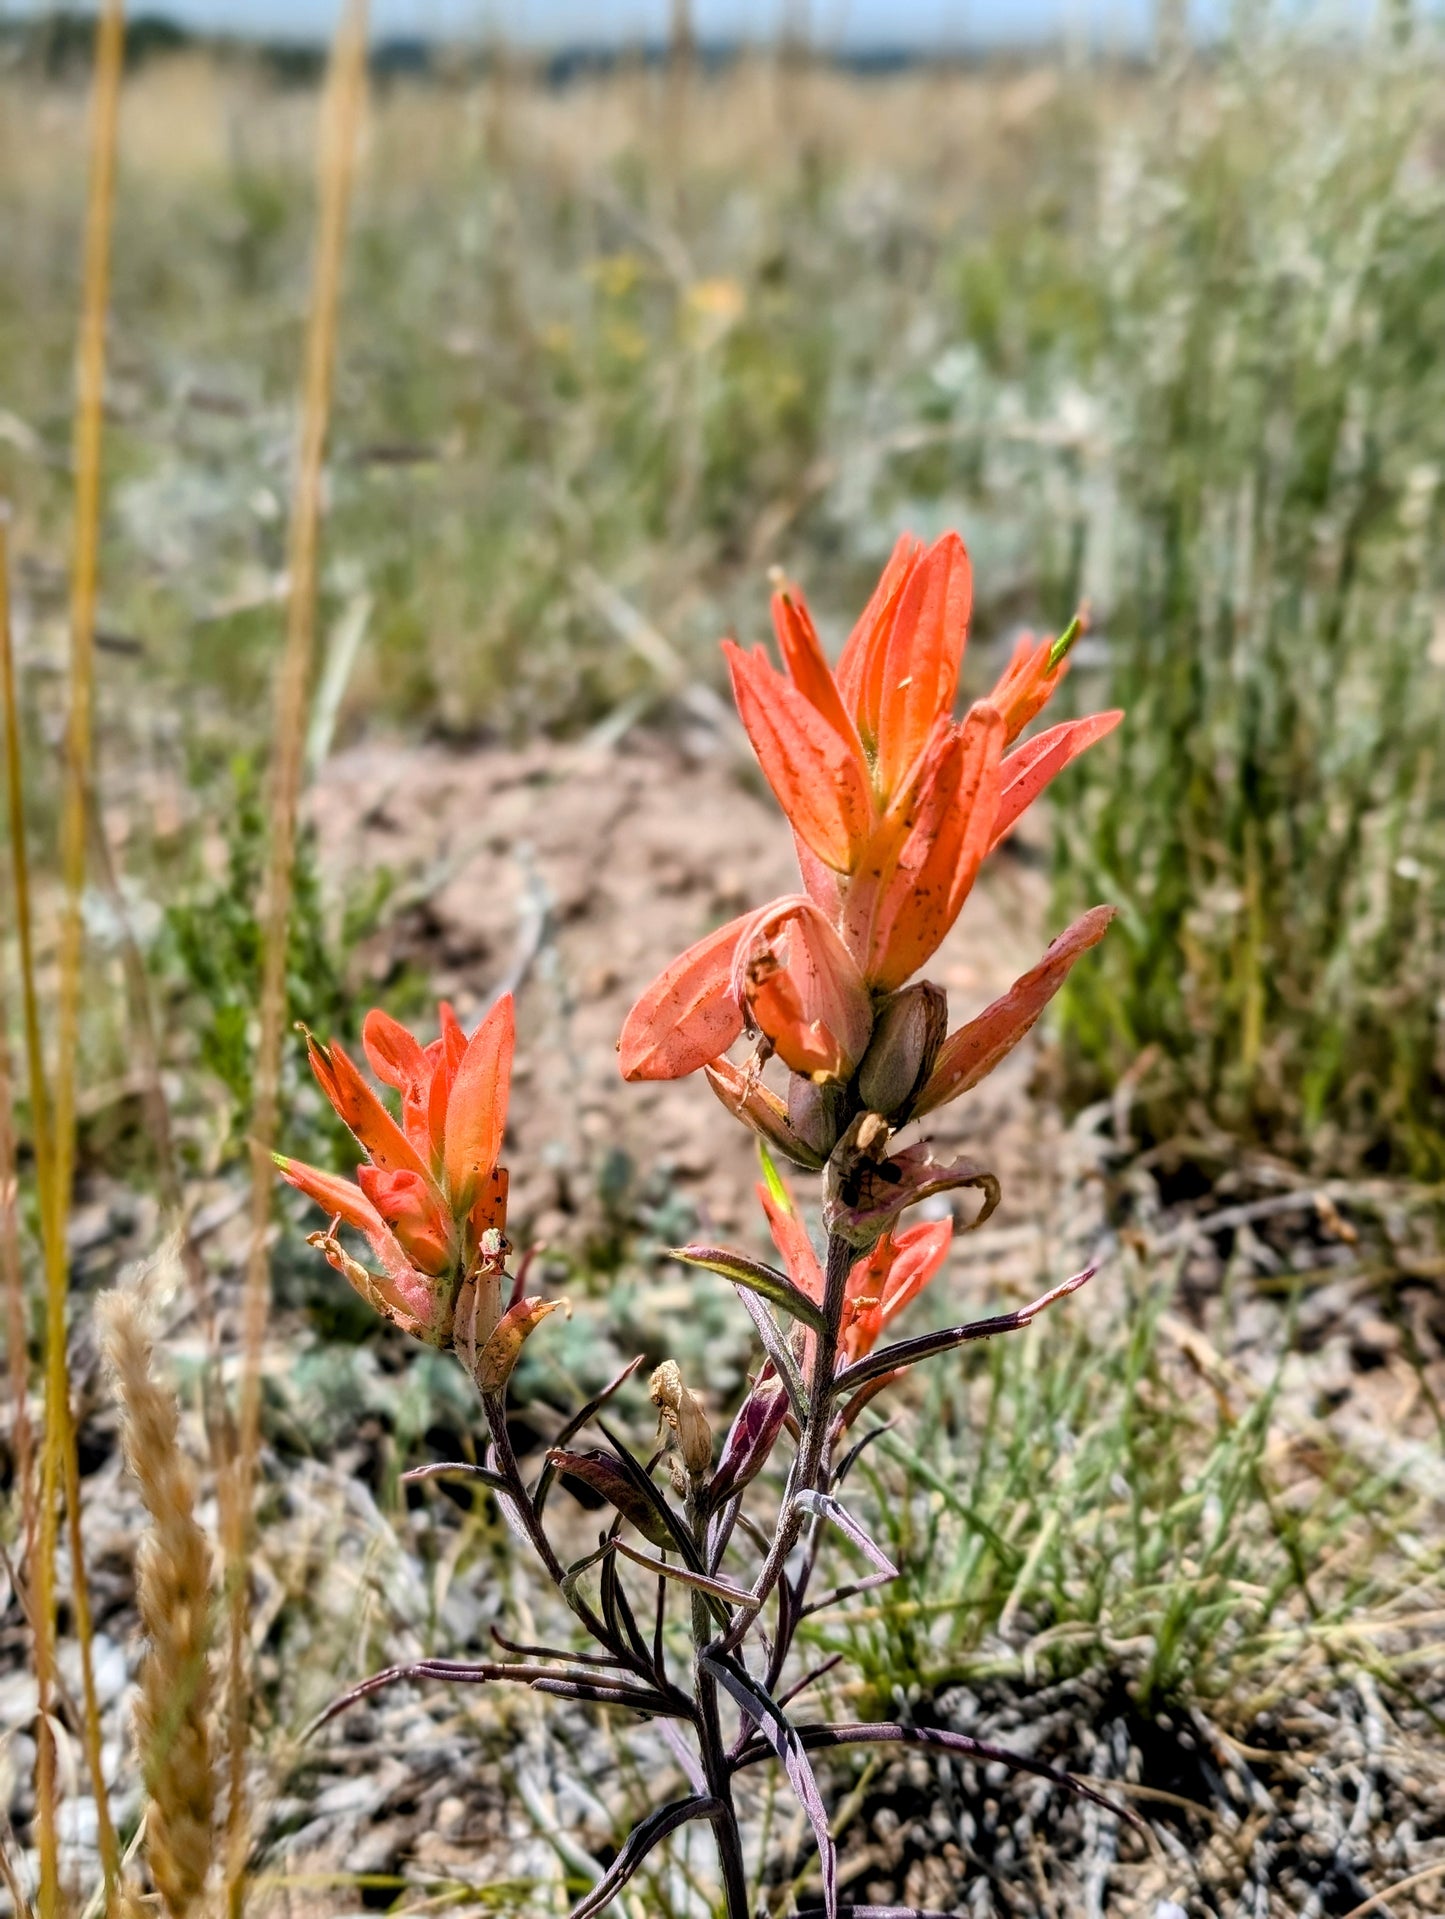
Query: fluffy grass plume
(174, 1596)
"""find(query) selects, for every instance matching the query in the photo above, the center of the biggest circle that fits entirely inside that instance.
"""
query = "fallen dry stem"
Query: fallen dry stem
(341, 115)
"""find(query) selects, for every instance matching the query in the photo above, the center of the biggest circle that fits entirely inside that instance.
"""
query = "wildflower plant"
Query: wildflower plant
(894, 805)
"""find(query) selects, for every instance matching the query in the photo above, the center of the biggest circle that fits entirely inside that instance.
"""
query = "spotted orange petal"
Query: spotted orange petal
(360, 1109)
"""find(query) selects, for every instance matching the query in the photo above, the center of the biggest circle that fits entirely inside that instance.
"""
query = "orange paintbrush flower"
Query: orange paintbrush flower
(431, 1198)
(894, 805)
(880, 1284)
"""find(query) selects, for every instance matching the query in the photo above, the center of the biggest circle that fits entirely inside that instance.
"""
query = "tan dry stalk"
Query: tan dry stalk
(59, 1459)
(40, 1570)
(17, 1332)
(340, 124)
(173, 1592)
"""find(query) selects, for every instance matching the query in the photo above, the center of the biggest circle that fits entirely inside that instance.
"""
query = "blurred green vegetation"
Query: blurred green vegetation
(1165, 342)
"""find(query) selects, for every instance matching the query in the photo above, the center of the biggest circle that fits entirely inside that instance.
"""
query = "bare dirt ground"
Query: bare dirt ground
(573, 874)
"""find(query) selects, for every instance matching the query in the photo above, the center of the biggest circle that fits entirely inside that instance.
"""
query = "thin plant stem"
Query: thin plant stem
(43, 1567)
(59, 1461)
(340, 122)
(17, 1327)
(715, 1759)
(809, 1464)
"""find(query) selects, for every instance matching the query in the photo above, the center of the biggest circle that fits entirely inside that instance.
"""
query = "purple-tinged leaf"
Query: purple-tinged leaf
(603, 1474)
(856, 1451)
(639, 1842)
(755, 1277)
(459, 1468)
(780, 1733)
(831, 1509)
(578, 1420)
(523, 1651)
(810, 1678)
(594, 1688)
(683, 1753)
(908, 1352)
(819, 1738)
(723, 1589)
(751, 1438)
(646, 1487)
(776, 1348)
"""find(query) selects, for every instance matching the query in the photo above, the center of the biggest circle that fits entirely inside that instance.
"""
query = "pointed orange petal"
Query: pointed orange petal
(938, 859)
(333, 1195)
(971, 1053)
(394, 1054)
(688, 1015)
(399, 1059)
(453, 1039)
(923, 654)
(477, 1108)
(918, 1254)
(790, 1236)
(859, 664)
(808, 667)
(1028, 683)
(360, 1109)
(814, 775)
(1030, 767)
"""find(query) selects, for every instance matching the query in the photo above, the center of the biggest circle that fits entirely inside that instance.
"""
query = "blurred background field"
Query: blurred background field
(1160, 335)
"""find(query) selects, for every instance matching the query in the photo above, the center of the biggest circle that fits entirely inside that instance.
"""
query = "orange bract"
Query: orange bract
(880, 1284)
(431, 1188)
(894, 805)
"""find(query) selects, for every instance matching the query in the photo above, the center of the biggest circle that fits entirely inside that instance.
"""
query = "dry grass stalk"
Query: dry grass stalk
(59, 1460)
(16, 1327)
(42, 1565)
(173, 1589)
(340, 122)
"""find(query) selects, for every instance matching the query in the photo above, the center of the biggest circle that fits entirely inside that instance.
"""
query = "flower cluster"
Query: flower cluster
(894, 804)
(431, 1197)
